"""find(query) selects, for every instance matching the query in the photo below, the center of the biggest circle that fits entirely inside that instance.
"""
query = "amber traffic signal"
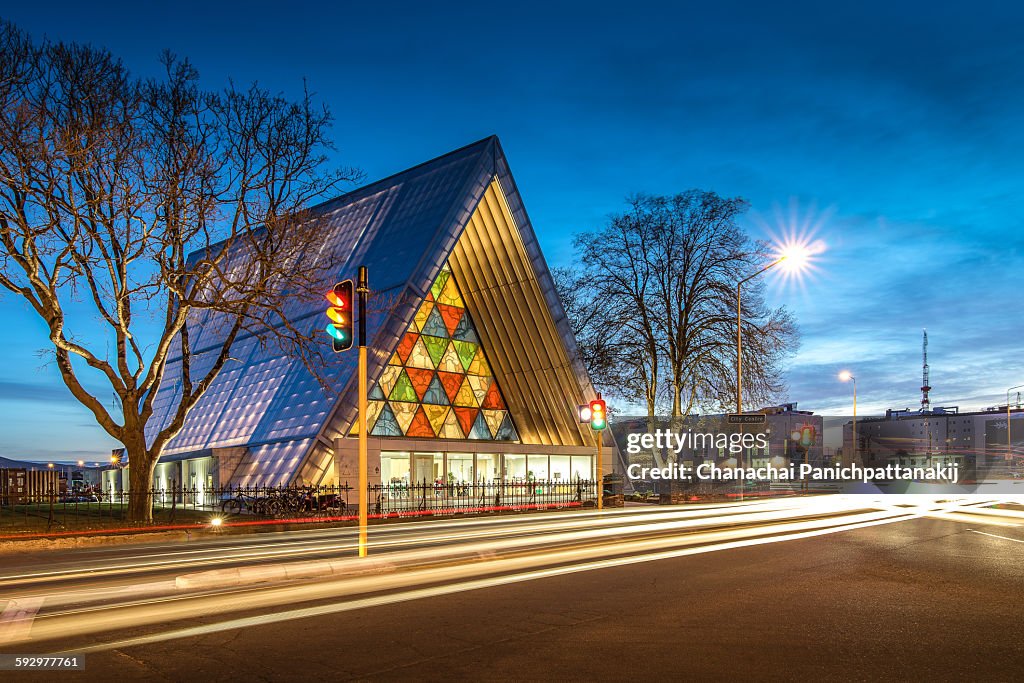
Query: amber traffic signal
(598, 415)
(341, 315)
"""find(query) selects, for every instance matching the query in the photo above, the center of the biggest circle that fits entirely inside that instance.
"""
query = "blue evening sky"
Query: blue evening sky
(891, 129)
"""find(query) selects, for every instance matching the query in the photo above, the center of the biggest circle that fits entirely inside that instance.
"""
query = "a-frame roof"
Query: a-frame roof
(403, 228)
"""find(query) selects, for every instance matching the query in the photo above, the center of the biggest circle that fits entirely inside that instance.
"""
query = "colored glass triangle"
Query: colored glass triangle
(420, 425)
(434, 326)
(373, 409)
(451, 316)
(507, 431)
(466, 397)
(436, 415)
(492, 400)
(479, 365)
(435, 348)
(388, 378)
(480, 386)
(493, 419)
(386, 424)
(403, 390)
(451, 428)
(466, 351)
(464, 330)
(419, 358)
(439, 283)
(420, 380)
(420, 319)
(376, 394)
(406, 345)
(450, 294)
(450, 361)
(480, 430)
(435, 393)
(451, 382)
(466, 417)
(404, 413)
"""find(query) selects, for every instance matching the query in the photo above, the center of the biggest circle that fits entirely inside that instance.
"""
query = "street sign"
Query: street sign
(746, 418)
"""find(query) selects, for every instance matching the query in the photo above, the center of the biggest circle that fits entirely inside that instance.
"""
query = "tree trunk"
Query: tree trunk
(141, 465)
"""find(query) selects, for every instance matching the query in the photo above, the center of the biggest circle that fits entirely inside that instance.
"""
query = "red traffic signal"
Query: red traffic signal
(807, 436)
(341, 315)
(598, 415)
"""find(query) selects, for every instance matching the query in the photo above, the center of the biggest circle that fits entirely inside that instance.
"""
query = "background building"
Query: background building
(976, 441)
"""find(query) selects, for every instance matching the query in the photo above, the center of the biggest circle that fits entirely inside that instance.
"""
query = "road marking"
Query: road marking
(16, 620)
(1005, 538)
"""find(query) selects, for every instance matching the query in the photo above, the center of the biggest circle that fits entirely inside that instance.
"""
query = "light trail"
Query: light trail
(462, 555)
(407, 535)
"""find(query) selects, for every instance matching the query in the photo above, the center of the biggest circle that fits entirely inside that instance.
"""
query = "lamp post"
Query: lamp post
(739, 332)
(1009, 446)
(846, 376)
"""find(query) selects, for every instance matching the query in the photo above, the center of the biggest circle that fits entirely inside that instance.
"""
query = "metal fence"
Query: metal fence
(439, 498)
(54, 511)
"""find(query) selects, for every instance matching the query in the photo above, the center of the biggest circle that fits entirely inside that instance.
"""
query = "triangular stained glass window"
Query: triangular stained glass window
(386, 424)
(435, 326)
(464, 331)
(435, 348)
(480, 430)
(435, 394)
(438, 378)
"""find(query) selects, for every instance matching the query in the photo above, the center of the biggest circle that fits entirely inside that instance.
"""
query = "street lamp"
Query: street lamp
(1009, 447)
(847, 376)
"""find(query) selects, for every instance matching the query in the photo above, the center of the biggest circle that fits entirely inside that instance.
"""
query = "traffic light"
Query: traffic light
(341, 314)
(598, 416)
(807, 436)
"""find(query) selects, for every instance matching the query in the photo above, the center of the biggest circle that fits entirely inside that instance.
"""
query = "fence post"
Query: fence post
(49, 521)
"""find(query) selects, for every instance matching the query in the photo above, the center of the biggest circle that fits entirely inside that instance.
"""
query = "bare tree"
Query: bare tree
(658, 282)
(109, 182)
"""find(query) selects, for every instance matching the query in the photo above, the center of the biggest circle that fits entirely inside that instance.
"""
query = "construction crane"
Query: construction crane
(925, 386)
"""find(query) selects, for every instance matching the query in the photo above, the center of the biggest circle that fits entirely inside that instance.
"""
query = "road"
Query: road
(831, 587)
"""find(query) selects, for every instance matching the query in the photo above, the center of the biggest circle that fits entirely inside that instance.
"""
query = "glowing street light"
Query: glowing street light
(795, 257)
(847, 376)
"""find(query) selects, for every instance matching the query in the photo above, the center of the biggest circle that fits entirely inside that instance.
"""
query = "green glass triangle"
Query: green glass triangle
(438, 285)
(466, 351)
(435, 348)
(403, 390)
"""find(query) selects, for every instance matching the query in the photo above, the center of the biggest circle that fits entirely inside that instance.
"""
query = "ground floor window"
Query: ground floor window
(537, 467)
(488, 467)
(515, 467)
(394, 469)
(460, 468)
(402, 468)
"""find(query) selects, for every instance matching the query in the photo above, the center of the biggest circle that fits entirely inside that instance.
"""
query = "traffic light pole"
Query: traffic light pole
(364, 493)
(600, 473)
